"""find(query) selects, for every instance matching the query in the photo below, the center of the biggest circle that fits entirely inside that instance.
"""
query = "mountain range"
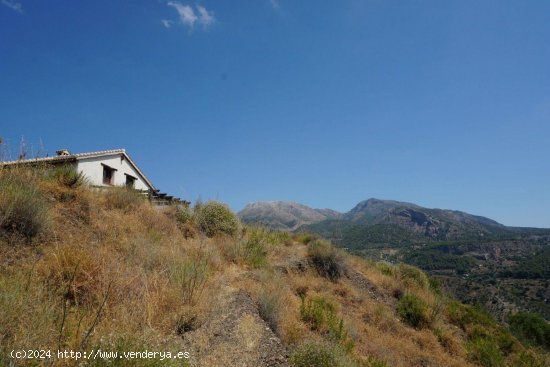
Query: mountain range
(284, 215)
(376, 221)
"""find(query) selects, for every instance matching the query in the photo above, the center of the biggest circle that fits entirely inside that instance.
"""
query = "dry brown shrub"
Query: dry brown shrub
(74, 272)
(124, 199)
(155, 220)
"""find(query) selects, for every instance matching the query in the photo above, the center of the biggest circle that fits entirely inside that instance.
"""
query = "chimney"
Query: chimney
(63, 152)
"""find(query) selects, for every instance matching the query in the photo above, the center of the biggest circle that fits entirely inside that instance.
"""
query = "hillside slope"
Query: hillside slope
(85, 271)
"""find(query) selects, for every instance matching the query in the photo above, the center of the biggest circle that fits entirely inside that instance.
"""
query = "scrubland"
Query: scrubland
(84, 269)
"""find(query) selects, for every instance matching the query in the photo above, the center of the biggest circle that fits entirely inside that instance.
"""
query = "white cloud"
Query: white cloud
(14, 5)
(188, 17)
(206, 18)
(167, 23)
(186, 13)
(275, 4)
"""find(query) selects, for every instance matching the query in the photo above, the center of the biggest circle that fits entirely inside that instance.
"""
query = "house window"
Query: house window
(108, 175)
(130, 181)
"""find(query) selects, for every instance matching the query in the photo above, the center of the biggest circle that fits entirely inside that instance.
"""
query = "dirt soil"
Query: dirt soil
(233, 334)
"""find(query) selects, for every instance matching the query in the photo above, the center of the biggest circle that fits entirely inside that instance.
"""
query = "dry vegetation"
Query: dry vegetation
(83, 269)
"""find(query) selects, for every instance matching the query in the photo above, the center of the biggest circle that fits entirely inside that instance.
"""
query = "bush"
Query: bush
(123, 198)
(184, 215)
(317, 312)
(464, 315)
(413, 311)
(314, 354)
(485, 352)
(66, 175)
(185, 221)
(412, 276)
(531, 329)
(254, 253)
(327, 260)
(214, 218)
(258, 243)
(321, 316)
(253, 248)
(191, 276)
(23, 209)
(386, 269)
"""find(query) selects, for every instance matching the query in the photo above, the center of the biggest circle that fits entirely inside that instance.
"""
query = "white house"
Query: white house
(110, 168)
(107, 168)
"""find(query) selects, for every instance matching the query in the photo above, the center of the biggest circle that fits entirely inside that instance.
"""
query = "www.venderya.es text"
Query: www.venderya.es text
(42, 354)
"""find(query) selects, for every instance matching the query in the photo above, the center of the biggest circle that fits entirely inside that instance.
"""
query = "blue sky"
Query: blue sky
(441, 103)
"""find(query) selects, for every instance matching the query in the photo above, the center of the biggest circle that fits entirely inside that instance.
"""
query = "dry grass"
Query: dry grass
(112, 272)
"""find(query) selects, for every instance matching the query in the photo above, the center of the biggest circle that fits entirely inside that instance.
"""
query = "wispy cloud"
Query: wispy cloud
(13, 5)
(275, 4)
(206, 18)
(188, 17)
(167, 23)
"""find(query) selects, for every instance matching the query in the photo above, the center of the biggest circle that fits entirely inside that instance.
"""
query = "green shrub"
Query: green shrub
(214, 218)
(254, 252)
(23, 209)
(315, 354)
(123, 198)
(258, 243)
(463, 315)
(67, 175)
(322, 317)
(327, 260)
(184, 215)
(485, 352)
(412, 276)
(312, 354)
(386, 269)
(316, 311)
(413, 311)
(531, 329)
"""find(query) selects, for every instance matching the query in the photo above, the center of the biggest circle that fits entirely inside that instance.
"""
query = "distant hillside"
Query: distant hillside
(395, 223)
(375, 221)
(480, 260)
(283, 215)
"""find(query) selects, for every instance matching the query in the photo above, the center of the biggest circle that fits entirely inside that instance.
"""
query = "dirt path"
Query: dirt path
(233, 334)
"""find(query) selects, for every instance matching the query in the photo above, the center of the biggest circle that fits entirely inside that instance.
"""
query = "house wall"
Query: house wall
(92, 168)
